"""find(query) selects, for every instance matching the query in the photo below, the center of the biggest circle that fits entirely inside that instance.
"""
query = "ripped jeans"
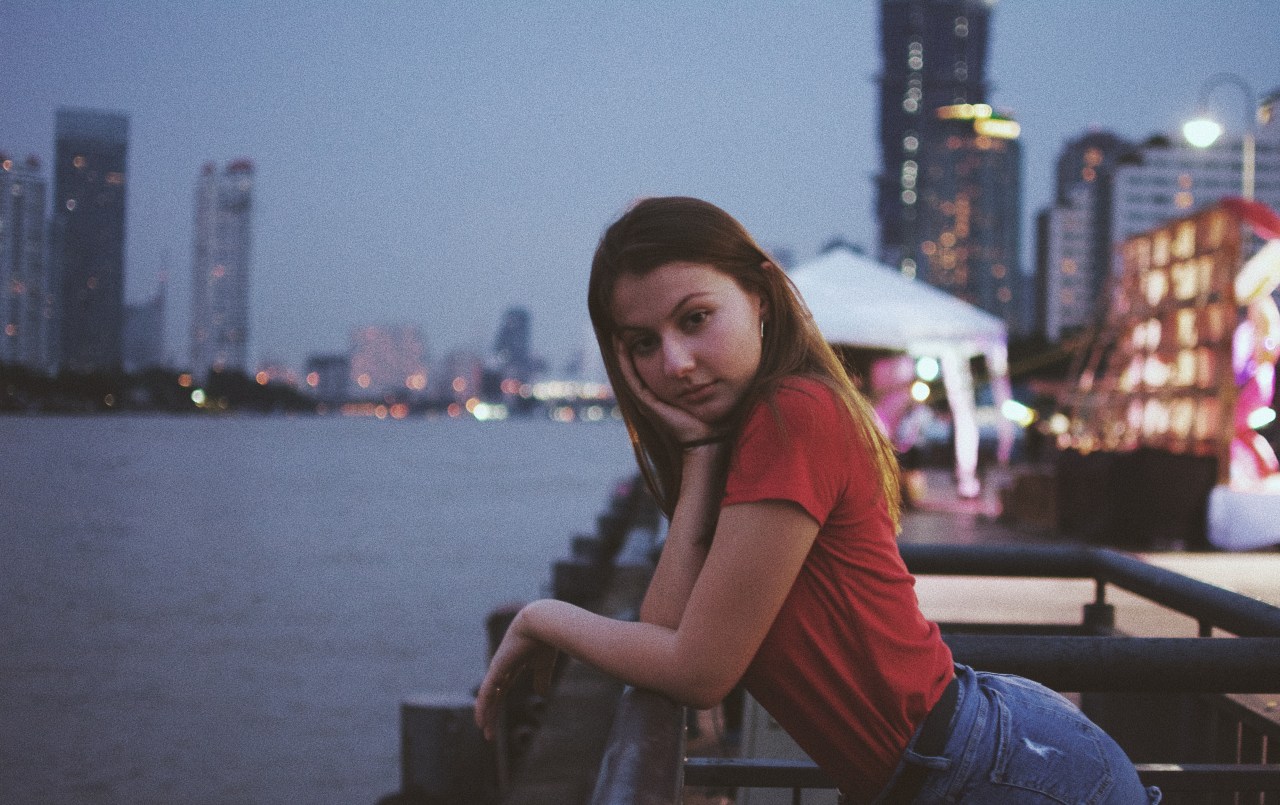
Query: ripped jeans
(1015, 741)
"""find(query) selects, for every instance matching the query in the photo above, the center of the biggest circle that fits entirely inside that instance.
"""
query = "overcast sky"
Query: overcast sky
(432, 163)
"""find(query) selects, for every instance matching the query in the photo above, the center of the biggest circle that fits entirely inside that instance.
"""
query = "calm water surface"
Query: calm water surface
(230, 610)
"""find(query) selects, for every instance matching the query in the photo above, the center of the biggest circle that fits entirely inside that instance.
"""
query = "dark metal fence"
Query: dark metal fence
(1234, 753)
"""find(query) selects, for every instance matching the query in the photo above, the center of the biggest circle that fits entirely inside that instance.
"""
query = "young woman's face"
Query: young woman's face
(692, 334)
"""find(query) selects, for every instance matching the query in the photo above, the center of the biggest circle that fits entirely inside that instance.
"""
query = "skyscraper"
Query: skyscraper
(1073, 248)
(27, 290)
(88, 235)
(949, 189)
(934, 54)
(511, 346)
(968, 235)
(220, 268)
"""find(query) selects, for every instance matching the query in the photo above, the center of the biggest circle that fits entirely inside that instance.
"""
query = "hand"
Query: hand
(681, 424)
(517, 651)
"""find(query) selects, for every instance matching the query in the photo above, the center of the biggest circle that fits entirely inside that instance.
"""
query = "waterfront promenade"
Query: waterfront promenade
(942, 517)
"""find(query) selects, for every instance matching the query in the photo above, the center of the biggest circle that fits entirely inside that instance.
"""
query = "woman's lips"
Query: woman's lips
(698, 394)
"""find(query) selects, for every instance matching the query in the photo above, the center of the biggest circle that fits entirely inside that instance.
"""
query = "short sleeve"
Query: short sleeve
(790, 450)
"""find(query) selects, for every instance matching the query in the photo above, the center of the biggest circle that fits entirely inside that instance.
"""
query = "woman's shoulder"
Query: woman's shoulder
(800, 403)
(805, 393)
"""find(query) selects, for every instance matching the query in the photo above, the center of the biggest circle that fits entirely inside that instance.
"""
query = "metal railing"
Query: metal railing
(647, 740)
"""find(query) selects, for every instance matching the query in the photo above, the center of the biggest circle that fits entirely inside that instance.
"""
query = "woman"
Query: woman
(780, 567)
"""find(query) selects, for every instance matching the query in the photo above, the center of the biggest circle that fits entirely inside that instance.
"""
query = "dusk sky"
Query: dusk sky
(432, 163)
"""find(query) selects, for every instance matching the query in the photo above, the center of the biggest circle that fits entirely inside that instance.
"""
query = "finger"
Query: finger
(634, 383)
(628, 369)
(489, 702)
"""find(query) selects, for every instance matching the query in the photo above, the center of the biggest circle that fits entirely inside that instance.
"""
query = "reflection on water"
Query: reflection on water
(230, 610)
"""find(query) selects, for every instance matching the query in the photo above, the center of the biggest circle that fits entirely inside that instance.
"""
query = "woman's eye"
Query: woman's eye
(643, 346)
(696, 318)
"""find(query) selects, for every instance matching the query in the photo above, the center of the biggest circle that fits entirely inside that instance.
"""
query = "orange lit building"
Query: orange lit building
(1153, 424)
(388, 361)
(967, 191)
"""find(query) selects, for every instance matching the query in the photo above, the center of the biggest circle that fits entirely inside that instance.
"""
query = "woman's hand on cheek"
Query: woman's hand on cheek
(517, 652)
(682, 425)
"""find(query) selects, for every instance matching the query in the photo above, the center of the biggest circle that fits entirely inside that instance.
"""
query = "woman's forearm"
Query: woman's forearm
(641, 654)
(687, 540)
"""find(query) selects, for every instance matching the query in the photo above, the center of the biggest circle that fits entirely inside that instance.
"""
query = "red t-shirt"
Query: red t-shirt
(850, 665)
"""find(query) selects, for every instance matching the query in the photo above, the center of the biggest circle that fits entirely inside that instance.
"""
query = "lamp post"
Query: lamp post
(1204, 130)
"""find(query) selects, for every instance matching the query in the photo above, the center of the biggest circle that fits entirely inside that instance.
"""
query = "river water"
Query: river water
(230, 610)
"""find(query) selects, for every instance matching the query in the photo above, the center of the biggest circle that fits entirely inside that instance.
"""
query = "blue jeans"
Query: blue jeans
(1015, 741)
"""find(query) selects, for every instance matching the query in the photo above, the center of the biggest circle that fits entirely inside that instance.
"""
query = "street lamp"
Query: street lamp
(1204, 130)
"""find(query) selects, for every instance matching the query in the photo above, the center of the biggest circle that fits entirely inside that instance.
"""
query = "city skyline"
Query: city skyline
(434, 167)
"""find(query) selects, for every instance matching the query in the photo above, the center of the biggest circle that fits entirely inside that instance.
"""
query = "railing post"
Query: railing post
(1099, 616)
(643, 760)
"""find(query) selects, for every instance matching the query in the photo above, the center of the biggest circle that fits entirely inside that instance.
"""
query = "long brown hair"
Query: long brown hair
(658, 231)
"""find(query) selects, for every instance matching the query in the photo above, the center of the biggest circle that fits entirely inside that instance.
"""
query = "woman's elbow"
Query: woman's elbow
(704, 692)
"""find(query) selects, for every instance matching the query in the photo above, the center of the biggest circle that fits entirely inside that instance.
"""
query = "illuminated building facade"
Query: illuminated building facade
(388, 362)
(934, 54)
(1073, 239)
(1165, 179)
(966, 236)
(88, 236)
(27, 289)
(220, 268)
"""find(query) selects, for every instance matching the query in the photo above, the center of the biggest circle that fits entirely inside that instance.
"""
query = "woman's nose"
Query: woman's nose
(677, 360)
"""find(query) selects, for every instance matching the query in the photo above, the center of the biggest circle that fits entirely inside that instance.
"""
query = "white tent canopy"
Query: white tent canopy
(859, 302)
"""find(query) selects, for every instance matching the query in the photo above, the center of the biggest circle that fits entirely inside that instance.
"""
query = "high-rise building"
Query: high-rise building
(27, 291)
(968, 227)
(388, 361)
(949, 190)
(1165, 178)
(1064, 293)
(144, 333)
(934, 54)
(220, 268)
(1073, 247)
(88, 236)
(511, 347)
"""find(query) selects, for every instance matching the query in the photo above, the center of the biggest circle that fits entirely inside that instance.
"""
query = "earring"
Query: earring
(762, 329)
